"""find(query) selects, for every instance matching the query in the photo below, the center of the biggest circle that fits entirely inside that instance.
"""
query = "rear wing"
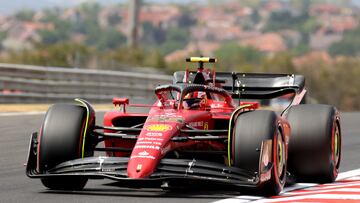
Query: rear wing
(253, 85)
(261, 85)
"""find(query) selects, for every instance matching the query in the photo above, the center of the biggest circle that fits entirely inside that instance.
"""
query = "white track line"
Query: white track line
(339, 189)
(299, 186)
(322, 197)
(341, 176)
(348, 174)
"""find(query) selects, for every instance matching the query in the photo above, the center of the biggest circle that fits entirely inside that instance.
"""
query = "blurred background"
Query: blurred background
(316, 38)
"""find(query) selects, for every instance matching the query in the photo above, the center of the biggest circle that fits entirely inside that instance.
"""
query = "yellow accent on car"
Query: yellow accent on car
(201, 59)
(86, 125)
(206, 126)
(230, 130)
(158, 127)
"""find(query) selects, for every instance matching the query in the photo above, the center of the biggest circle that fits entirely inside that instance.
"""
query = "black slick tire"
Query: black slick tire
(315, 143)
(250, 130)
(61, 139)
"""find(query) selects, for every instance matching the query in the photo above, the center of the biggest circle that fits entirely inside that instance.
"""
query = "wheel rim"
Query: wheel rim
(336, 145)
(280, 155)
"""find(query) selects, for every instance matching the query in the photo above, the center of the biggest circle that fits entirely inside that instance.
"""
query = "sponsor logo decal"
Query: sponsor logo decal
(152, 134)
(143, 155)
(151, 139)
(148, 143)
(172, 115)
(197, 124)
(206, 126)
(200, 124)
(158, 127)
(147, 147)
(165, 118)
(142, 142)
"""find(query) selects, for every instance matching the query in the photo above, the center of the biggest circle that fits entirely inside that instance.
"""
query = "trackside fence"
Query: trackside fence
(34, 84)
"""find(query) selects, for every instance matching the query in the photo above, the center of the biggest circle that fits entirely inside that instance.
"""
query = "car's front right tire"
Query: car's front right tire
(251, 130)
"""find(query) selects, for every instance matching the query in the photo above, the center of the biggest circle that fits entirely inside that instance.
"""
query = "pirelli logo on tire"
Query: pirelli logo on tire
(158, 127)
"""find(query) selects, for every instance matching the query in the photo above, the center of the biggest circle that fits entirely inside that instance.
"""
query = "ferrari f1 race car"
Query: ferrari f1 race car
(205, 128)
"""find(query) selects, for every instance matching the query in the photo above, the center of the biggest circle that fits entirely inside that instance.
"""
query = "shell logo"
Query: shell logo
(158, 127)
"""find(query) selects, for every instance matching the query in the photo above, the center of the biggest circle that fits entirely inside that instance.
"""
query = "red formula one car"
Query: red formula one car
(204, 128)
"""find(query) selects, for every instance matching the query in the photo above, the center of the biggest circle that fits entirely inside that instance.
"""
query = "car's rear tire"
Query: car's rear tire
(315, 143)
(251, 129)
(64, 136)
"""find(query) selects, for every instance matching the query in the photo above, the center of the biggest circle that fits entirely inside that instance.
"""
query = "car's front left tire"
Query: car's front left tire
(64, 136)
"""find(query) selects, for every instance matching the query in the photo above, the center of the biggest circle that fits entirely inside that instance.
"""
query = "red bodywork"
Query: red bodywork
(163, 122)
(161, 125)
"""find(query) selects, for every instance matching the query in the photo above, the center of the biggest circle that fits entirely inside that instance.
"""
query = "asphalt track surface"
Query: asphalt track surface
(16, 187)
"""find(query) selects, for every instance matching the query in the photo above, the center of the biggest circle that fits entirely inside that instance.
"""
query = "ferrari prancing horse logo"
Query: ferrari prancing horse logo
(158, 127)
(206, 126)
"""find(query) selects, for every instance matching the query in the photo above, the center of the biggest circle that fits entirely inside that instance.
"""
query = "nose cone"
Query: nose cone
(142, 163)
(150, 148)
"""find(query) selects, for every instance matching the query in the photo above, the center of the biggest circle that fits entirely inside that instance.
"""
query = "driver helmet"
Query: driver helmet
(196, 99)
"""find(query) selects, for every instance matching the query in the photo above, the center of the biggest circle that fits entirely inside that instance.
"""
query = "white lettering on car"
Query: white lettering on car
(146, 147)
(153, 134)
(148, 143)
(151, 139)
(143, 155)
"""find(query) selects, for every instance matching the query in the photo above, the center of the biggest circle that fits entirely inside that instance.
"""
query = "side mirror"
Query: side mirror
(121, 101)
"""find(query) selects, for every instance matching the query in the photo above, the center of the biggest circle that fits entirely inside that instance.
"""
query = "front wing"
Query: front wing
(169, 171)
